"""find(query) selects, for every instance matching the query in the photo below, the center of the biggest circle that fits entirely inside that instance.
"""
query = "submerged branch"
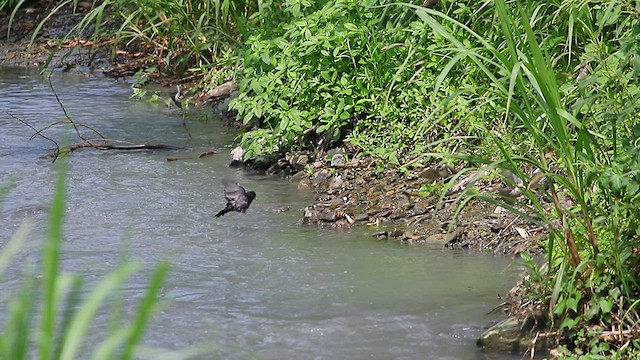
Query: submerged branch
(107, 144)
(99, 143)
(37, 133)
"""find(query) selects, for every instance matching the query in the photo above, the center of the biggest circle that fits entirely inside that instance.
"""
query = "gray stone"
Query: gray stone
(299, 176)
(320, 176)
(301, 160)
(338, 160)
(304, 184)
(237, 154)
(335, 183)
(335, 151)
(503, 336)
(431, 174)
(222, 91)
(514, 336)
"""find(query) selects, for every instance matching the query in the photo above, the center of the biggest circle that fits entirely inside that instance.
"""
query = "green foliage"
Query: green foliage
(11, 6)
(583, 141)
(546, 91)
(184, 33)
(50, 315)
(306, 80)
(347, 71)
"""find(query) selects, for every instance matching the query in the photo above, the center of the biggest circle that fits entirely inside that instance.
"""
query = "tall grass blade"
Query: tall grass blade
(14, 245)
(14, 341)
(50, 260)
(145, 309)
(83, 317)
(38, 27)
(13, 16)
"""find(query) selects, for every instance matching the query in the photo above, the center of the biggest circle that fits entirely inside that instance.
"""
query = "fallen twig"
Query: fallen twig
(107, 144)
(98, 143)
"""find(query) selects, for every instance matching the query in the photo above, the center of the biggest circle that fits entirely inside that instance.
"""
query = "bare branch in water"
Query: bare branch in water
(38, 133)
(99, 142)
(108, 144)
(66, 115)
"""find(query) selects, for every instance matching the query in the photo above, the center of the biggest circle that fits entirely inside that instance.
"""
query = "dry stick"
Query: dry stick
(568, 234)
(93, 143)
(533, 346)
(184, 125)
(66, 115)
(126, 146)
(38, 133)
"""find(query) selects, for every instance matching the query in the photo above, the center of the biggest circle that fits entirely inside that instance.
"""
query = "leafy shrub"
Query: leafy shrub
(347, 71)
(584, 137)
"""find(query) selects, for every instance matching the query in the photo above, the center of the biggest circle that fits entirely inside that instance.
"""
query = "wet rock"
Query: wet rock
(503, 336)
(222, 109)
(513, 335)
(298, 161)
(319, 213)
(361, 217)
(222, 91)
(393, 234)
(380, 234)
(397, 201)
(336, 151)
(430, 174)
(320, 176)
(373, 211)
(263, 162)
(334, 203)
(237, 155)
(338, 160)
(305, 184)
(280, 167)
(335, 182)
(423, 203)
(299, 176)
(396, 233)
(448, 238)
(411, 238)
(398, 214)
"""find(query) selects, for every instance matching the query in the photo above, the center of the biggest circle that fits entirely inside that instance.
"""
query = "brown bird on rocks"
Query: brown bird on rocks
(237, 198)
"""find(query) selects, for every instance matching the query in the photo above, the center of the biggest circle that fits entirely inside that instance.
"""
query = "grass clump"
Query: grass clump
(579, 171)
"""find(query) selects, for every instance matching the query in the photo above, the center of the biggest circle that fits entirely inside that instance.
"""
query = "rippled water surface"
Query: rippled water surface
(254, 285)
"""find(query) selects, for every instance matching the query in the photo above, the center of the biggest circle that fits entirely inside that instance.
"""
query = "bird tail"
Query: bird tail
(222, 212)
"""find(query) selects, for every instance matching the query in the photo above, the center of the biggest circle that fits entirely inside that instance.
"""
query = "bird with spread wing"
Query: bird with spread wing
(237, 198)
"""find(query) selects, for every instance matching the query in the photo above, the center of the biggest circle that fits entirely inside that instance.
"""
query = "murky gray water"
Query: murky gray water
(255, 285)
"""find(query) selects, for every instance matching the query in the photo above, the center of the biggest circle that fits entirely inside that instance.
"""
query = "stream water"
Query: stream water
(254, 285)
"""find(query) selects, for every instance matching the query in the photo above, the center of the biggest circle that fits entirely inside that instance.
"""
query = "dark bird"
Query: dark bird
(237, 198)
